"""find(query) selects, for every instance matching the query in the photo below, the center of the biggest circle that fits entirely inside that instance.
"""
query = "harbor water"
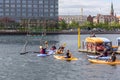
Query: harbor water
(14, 66)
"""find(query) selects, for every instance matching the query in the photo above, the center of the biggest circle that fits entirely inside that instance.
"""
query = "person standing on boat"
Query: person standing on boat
(93, 35)
(103, 54)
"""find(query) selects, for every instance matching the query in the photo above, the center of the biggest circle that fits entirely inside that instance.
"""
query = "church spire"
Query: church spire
(112, 10)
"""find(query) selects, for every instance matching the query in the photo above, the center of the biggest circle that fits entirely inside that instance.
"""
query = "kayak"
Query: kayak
(42, 55)
(50, 52)
(59, 52)
(96, 57)
(104, 61)
(63, 58)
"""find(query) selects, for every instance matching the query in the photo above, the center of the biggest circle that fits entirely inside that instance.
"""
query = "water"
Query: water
(14, 66)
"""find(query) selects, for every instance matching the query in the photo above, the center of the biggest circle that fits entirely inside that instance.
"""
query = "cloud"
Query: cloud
(92, 7)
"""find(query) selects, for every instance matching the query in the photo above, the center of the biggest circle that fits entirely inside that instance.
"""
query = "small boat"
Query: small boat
(96, 57)
(50, 52)
(64, 58)
(104, 61)
(96, 44)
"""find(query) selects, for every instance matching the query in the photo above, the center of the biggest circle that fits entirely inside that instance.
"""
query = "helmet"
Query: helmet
(40, 47)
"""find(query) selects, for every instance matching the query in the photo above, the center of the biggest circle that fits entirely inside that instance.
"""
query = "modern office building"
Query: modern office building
(33, 12)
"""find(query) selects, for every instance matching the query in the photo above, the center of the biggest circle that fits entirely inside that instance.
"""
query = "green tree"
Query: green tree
(62, 24)
(73, 24)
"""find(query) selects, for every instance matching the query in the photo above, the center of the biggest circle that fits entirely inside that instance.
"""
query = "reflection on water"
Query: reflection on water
(14, 66)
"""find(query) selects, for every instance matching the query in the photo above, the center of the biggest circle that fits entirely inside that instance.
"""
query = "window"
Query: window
(13, 10)
(45, 6)
(40, 6)
(13, 1)
(7, 14)
(51, 14)
(1, 10)
(29, 1)
(1, 14)
(23, 10)
(7, 5)
(13, 5)
(35, 1)
(29, 15)
(35, 10)
(23, 14)
(51, 10)
(29, 6)
(24, 6)
(24, 2)
(18, 14)
(18, 5)
(1, 1)
(41, 14)
(7, 10)
(18, 1)
(45, 10)
(35, 6)
(1, 5)
(51, 6)
(6, 1)
(18, 9)
(40, 2)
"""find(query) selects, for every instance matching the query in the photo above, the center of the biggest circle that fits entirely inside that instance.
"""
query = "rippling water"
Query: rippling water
(14, 66)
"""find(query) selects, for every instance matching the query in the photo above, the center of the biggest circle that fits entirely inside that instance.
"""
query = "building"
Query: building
(90, 18)
(32, 12)
(77, 18)
(106, 18)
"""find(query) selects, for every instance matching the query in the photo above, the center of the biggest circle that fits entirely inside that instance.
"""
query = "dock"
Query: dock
(88, 51)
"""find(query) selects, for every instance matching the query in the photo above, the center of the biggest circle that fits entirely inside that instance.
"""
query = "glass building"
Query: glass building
(26, 10)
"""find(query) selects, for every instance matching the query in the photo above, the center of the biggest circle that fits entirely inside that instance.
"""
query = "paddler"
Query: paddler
(42, 50)
(113, 57)
(68, 54)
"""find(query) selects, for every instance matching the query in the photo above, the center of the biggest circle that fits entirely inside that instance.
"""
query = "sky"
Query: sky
(90, 7)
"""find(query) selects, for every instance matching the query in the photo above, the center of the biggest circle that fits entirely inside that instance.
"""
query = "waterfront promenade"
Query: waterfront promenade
(10, 32)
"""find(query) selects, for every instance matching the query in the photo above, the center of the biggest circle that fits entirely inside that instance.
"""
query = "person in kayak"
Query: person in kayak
(42, 50)
(53, 47)
(46, 44)
(60, 50)
(113, 57)
(68, 54)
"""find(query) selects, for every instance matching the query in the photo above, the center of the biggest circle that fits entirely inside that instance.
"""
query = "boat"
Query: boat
(95, 44)
(96, 57)
(104, 61)
(64, 58)
(50, 52)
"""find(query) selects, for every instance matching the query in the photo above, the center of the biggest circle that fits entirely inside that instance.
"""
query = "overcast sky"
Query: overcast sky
(90, 7)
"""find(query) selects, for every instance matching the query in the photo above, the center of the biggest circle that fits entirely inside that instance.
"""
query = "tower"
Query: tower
(112, 10)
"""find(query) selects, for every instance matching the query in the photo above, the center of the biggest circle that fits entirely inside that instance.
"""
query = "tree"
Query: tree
(73, 24)
(62, 24)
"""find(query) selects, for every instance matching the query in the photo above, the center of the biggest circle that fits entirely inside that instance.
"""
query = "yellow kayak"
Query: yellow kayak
(104, 61)
(59, 52)
(63, 58)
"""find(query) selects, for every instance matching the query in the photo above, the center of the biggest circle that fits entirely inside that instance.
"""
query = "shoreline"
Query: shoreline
(57, 33)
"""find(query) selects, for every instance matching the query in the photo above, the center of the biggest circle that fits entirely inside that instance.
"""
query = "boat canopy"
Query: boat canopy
(97, 40)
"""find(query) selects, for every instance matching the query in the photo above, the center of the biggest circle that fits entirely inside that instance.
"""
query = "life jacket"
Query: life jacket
(43, 51)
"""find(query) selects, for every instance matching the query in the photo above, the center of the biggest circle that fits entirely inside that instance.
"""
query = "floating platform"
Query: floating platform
(88, 51)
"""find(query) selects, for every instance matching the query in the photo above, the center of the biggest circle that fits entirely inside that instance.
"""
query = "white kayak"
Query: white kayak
(96, 57)
(50, 52)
